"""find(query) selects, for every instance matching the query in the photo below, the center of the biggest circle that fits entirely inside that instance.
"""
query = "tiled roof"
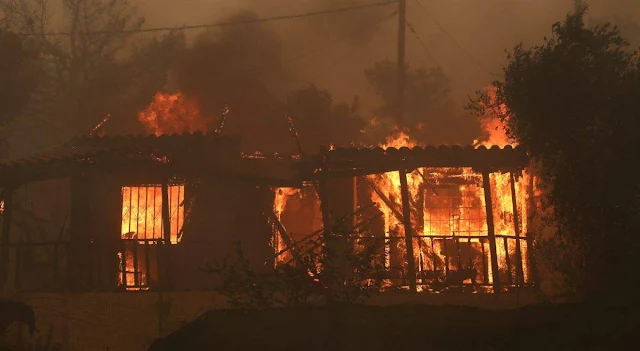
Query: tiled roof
(122, 150)
(199, 152)
(87, 147)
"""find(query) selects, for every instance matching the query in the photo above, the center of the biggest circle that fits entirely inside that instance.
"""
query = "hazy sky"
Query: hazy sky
(468, 38)
(478, 33)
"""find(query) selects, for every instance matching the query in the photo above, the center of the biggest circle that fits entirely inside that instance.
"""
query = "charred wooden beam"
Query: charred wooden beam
(406, 212)
(486, 183)
(223, 119)
(533, 269)
(166, 225)
(384, 199)
(505, 242)
(426, 182)
(7, 196)
(358, 228)
(319, 231)
(303, 155)
(285, 236)
(516, 227)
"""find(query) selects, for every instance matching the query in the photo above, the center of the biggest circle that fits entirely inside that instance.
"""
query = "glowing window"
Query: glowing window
(142, 228)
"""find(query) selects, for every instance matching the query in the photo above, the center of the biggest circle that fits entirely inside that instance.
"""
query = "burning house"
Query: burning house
(128, 221)
(451, 217)
(110, 215)
(467, 210)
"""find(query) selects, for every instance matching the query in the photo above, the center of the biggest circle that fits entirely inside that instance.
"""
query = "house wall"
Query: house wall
(41, 213)
(223, 214)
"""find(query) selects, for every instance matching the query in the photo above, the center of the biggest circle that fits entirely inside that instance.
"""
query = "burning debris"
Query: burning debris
(454, 241)
(172, 114)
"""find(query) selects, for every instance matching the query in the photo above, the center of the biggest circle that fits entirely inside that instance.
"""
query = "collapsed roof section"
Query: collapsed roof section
(348, 162)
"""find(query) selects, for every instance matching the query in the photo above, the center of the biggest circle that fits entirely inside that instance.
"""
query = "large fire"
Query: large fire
(448, 216)
(448, 210)
(172, 113)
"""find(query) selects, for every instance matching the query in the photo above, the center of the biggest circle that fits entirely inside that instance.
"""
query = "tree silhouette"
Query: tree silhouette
(430, 112)
(573, 103)
(321, 122)
(18, 79)
(97, 67)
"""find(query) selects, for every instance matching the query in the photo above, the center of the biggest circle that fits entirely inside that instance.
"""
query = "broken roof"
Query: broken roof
(344, 162)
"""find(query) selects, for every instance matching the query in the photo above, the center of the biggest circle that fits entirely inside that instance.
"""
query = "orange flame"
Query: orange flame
(172, 113)
(491, 121)
(142, 224)
(448, 209)
(282, 197)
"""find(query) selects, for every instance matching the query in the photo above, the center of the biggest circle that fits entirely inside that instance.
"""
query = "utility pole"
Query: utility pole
(402, 26)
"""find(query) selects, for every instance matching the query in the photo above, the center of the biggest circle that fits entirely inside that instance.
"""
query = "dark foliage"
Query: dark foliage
(346, 270)
(17, 75)
(574, 104)
(430, 112)
(18, 78)
(321, 122)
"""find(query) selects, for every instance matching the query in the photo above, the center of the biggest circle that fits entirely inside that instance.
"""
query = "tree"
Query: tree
(95, 66)
(18, 78)
(573, 104)
(320, 122)
(430, 112)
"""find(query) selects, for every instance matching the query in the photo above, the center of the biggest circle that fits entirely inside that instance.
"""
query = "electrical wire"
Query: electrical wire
(467, 53)
(346, 55)
(424, 46)
(221, 24)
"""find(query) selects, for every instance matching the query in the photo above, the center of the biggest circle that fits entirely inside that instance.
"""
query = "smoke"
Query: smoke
(252, 68)
(236, 66)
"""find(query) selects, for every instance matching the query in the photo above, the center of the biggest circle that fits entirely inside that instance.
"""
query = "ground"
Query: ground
(410, 327)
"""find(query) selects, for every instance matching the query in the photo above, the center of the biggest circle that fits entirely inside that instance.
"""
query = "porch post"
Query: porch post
(516, 227)
(166, 243)
(406, 216)
(486, 184)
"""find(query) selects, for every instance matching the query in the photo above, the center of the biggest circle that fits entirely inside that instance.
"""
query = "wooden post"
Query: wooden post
(516, 227)
(327, 238)
(6, 237)
(406, 214)
(166, 225)
(529, 236)
(486, 184)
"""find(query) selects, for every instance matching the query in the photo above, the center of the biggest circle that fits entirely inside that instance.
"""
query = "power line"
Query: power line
(376, 30)
(424, 46)
(228, 23)
(467, 53)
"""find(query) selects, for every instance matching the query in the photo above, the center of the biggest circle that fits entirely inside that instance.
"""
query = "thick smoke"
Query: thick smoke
(253, 68)
(235, 67)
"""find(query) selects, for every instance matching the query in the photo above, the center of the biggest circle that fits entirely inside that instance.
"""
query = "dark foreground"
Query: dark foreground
(410, 327)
